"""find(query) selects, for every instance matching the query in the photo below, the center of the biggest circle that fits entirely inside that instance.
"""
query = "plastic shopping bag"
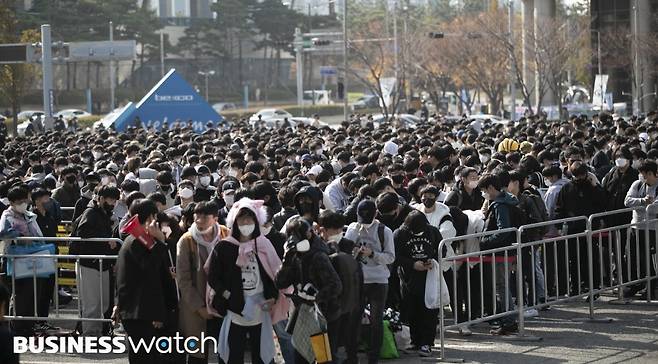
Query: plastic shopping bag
(27, 267)
(435, 285)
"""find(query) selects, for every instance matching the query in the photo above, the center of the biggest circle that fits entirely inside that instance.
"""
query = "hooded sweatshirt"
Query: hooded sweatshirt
(375, 268)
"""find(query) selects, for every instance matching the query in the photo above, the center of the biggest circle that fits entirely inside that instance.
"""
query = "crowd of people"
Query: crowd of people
(248, 231)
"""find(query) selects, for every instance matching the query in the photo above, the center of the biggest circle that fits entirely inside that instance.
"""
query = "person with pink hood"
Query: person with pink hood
(241, 272)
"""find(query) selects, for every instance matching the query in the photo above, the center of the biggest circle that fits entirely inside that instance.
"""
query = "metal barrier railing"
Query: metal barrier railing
(12, 258)
(579, 235)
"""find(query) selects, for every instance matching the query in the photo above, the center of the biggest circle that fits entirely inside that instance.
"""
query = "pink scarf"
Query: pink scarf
(271, 263)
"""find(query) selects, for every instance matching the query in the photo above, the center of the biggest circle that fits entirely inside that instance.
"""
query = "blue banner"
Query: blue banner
(172, 99)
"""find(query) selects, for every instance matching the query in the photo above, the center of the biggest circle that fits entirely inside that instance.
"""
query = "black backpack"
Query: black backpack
(536, 213)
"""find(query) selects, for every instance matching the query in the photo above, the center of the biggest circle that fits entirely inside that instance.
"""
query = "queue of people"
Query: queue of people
(249, 231)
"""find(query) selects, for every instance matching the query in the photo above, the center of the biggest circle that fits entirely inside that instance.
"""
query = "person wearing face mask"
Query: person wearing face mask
(146, 291)
(193, 249)
(397, 177)
(307, 204)
(642, 194)
(17, 221)
(165, 186)
(375, 252)
(307, 268)
(582, 196)
(416, 244)
(86, 193)
(349, 270)
(241, 271)
(185, 196)
(616, 184)
(226, 198)
(95, 222)
(68, 193)
(204, 189)
(466, 195)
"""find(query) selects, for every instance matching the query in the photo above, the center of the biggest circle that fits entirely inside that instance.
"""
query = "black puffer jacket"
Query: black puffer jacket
(313, 267)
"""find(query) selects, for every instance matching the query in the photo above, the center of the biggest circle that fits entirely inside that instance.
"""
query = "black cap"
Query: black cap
(188, 171)
(366, 211)
(203, 170)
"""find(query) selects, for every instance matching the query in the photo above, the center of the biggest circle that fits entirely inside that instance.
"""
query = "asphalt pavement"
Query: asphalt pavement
(632, 337)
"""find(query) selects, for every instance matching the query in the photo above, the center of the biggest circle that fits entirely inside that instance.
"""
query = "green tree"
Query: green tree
(15, 78)
(235, 24)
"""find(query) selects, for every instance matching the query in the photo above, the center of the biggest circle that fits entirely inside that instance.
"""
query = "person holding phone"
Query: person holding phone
(417, 244)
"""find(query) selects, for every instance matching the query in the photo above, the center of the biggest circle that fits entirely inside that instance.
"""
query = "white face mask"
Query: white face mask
(336, 237)
(208, 230)
(186, 193)
(205, 181)
(547, 182)
(457, 178)
(229, 199)
(81, 184)
(621, 162)
(484, 158)
(472, 184)
(265, 230)
(97, 155)
(246, 230)
(485, 195)
(232, 172)
(319, 151)
(166, 230)
(303, 246)
(21, 208)
(636, 164)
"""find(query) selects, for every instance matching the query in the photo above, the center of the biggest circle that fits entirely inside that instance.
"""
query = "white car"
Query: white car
(270, 116)
(223, 106)
(68, 114)
(29, 114)
(408, 120)
(22, 127)
(494, 118)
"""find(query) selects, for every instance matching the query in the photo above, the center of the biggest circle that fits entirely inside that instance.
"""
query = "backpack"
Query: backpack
(536, 212)
(517, 217)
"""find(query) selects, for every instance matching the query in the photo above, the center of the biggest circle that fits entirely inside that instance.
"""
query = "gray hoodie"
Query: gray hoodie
(375, 269)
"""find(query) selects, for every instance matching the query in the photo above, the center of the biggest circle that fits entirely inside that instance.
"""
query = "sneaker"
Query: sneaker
(425, 351)
(531, 312)
(45, 327)
(505, 330)
(465, 330)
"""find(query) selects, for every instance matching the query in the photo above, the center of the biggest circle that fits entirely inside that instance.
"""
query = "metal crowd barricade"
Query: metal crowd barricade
(478, 257)
(56, 258)
(565, 240)
(619, 258)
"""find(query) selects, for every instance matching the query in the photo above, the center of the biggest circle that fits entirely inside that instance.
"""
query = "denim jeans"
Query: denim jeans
(287, 350)
(375, 295)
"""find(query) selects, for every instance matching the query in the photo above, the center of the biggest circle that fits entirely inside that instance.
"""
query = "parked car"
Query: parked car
(407, 120)
(270, 116)
(366, 102)
(223, 106)
(71, 113)
(29, 114)
(317, 97)
(493, 118)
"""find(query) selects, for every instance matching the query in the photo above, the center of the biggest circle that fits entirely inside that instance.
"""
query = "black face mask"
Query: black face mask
(109, 209)
(165, 188)
(306, 207)
(428, 202)
(398, 179)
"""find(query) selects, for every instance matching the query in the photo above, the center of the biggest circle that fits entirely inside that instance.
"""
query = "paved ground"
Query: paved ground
(632, 337)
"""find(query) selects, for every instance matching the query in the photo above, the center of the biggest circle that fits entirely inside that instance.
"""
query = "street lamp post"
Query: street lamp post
(207, 74)
(345, 98)
(111, 67)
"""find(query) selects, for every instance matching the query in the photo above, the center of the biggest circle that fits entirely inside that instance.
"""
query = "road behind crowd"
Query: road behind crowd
(632, 337)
